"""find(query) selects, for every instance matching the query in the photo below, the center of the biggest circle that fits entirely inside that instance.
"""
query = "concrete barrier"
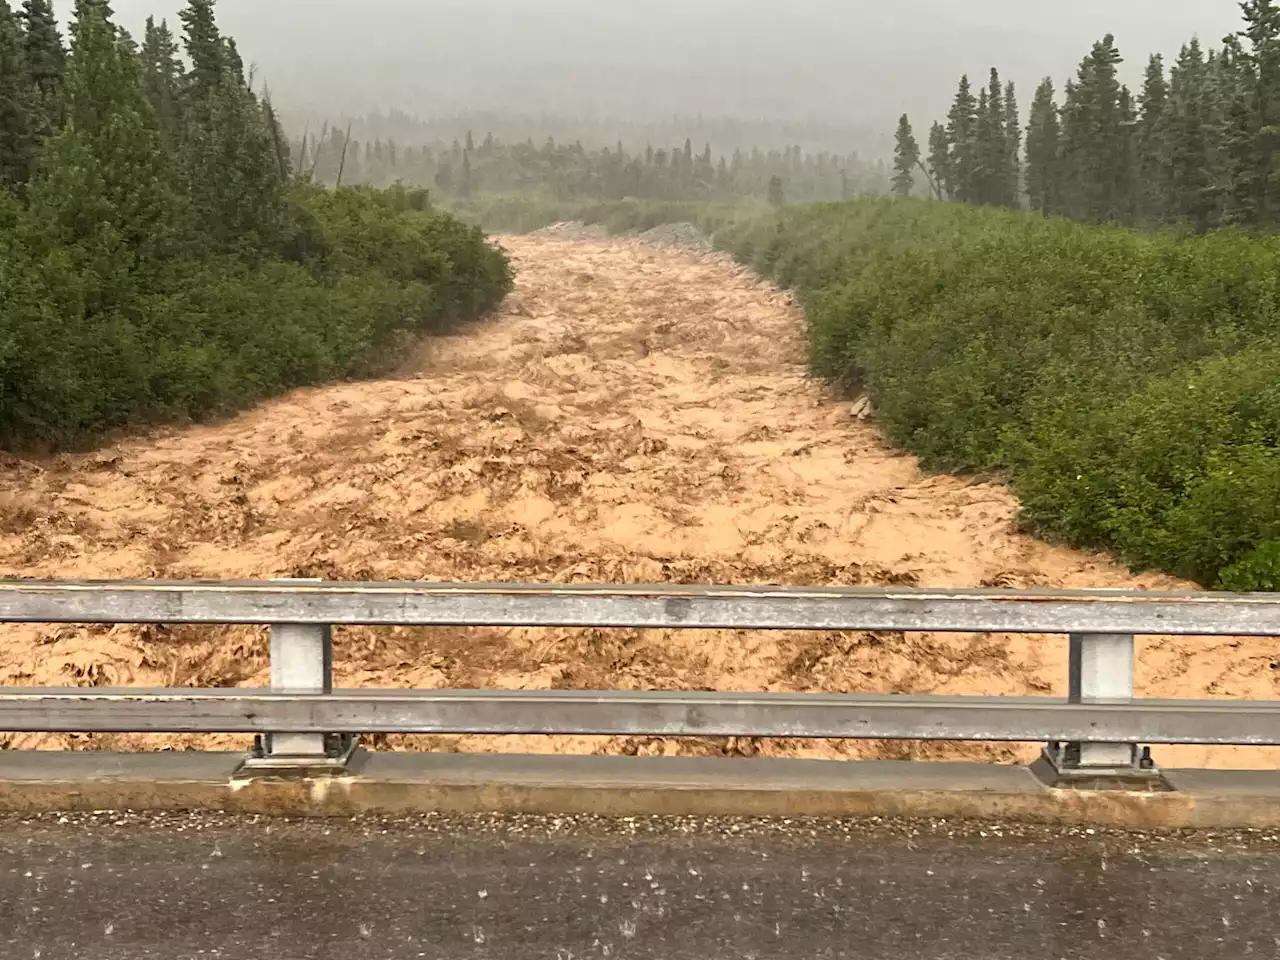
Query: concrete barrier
(403, 783)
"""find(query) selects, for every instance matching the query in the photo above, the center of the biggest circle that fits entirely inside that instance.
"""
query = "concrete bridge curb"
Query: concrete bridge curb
(406, 783)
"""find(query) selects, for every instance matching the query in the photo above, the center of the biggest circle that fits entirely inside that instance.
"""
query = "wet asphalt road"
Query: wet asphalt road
(112, 887)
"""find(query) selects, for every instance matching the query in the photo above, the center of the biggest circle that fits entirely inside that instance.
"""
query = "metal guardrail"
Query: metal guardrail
(305, 724)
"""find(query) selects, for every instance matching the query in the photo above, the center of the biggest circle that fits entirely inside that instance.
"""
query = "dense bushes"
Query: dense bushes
(159, 260)
(1128, 383)
(209, 335)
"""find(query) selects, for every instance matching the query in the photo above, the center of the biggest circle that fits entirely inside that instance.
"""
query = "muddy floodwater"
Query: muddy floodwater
(635, 413)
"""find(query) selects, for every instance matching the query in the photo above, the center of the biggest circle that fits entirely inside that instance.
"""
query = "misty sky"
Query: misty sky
(843, 61)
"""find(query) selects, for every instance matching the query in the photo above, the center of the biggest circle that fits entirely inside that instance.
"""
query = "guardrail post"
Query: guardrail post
(1101, 670)
(301, 662)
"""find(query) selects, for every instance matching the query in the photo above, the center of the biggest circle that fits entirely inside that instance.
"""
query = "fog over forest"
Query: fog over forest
(850, 64)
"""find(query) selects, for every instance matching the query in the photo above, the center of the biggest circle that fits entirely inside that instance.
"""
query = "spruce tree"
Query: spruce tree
(1013, 147)
(165, 77)
(1262, 33)
(234, 65)
(777, 194)
(940, 161)
(1094, 151)
(1152, 142)
(229, 163)
(1044, 172)
(444, 177)
(962, 122)
(19, 106)
(983, 151)
(83, 8)
(42, 45)
(104, 184)
(1241, 160)
(906, 155)
(1192, 182)
(992, 147)
(1127, 174)
(205, 49)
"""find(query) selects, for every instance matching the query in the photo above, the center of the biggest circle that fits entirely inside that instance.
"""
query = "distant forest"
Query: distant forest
(1197, 145)
(726, 133)
(571, 171)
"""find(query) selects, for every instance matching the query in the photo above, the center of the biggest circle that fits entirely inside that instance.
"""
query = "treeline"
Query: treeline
(1124, 380)
(468, 167)
(728, 133)
(158, 256)
(1195, 145)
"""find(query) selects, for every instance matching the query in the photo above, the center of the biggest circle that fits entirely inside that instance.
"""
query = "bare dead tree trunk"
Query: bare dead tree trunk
(324, 136)
(342, 164)
(935, 188)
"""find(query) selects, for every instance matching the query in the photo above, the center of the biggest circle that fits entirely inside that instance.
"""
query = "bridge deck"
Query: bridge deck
(128, 887)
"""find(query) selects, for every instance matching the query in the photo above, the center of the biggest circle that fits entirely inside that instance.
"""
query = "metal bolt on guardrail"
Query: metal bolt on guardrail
(1098, 735)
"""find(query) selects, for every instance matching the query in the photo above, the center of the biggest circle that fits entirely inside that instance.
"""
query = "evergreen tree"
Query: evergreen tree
(82, 10)
(1044, 172)
(165, 77)
(982, 152)
(992, 185)
(1262, 54)
(962, 122)
(1242, 163)
(19, 106)
(1127, 176)
(104, 185)
(1152, 144)
(1192, 181)
(777, 196)
(1094, 151)
(444, 177)
(42, 45)
(230, 168)
(205, 49)
(906, 156)
(1013, 147)
(234, 65)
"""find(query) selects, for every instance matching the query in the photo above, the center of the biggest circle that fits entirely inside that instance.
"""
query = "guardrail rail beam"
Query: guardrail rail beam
(1096, 737)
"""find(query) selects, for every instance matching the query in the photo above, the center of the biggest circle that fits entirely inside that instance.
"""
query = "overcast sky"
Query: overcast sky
(844, 61)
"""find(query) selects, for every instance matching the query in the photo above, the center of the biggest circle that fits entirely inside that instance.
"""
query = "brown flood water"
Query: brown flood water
(634, 414)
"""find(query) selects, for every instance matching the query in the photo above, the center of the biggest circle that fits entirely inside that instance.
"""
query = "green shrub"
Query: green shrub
(87, 343)
(1126, 382)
